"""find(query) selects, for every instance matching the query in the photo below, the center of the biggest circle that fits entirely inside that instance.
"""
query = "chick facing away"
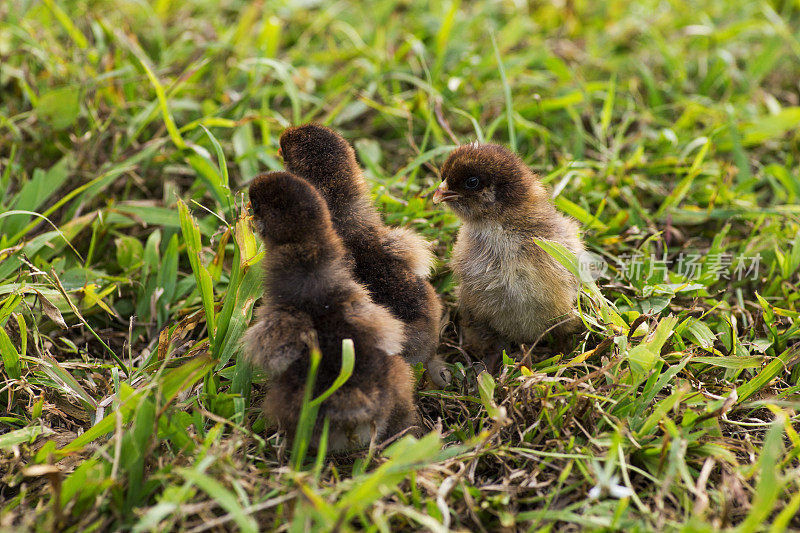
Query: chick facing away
(311, 299)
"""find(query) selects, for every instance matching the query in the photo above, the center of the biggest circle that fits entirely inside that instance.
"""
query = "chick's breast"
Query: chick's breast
(509, 283)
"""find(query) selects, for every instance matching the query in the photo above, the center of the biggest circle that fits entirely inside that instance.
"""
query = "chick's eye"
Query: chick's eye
(471, 182)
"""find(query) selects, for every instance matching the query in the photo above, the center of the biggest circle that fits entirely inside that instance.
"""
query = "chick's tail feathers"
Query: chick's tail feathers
(412, 248)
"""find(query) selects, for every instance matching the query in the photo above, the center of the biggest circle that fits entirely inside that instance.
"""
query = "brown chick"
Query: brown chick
(310, 297)
(394, 264)
(510, 290)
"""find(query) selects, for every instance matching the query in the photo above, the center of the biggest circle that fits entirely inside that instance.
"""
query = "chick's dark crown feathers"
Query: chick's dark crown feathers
(486, 180)
(287, 208)
(321, 156)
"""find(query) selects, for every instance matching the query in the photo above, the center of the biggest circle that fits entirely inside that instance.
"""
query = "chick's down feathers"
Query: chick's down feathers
(312, 300)
(510, 290)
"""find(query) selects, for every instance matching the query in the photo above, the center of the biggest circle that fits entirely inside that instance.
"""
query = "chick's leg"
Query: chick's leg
(422, 339)
(438, 371)
(482, 340)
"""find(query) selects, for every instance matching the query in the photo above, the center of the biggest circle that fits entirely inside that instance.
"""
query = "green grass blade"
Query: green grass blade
(512, 132)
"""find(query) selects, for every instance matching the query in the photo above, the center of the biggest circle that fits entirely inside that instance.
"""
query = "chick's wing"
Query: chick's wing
(277, 338)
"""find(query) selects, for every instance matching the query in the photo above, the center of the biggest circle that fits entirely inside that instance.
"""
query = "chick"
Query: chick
(510, 290)
(393, 263)
(310, 298)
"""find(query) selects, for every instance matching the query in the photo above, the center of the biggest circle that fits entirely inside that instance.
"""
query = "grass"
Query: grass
(128, 272)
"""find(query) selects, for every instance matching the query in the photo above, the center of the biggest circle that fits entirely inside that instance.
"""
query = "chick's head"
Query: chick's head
(484, 181)
(323, 157)
(287, 208)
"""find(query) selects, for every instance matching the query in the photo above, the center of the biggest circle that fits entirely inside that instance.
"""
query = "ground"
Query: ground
(669, 129)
